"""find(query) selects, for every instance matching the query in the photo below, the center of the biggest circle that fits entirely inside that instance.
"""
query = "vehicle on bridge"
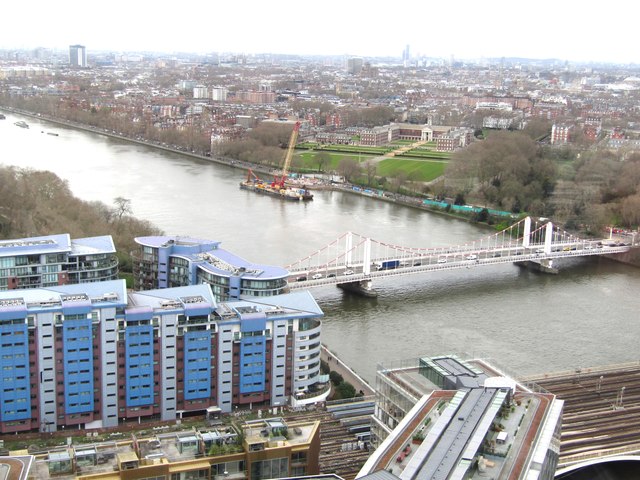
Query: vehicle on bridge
(387, 264)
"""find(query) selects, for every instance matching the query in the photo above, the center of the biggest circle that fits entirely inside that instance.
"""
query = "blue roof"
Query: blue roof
(36, 245)
(243, 267)
(59, 243)
(189, 297)
(208, 255)
(164, 241)
(292, 304)
(91, 245)
(109, 292)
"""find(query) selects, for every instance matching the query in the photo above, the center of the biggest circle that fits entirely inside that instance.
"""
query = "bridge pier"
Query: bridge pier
(362, 288)
(545, 265)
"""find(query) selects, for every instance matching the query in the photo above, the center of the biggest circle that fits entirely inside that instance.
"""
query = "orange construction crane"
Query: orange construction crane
(279, 180)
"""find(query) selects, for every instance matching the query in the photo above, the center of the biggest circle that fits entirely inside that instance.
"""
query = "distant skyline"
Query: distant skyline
(563, 29)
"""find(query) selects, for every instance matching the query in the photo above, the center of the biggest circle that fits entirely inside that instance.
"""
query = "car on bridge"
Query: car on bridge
(348, 272)
(316, 276)
(442, 260)
(471, 257)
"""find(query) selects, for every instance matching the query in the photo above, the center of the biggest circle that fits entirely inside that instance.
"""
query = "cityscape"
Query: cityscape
(167, 356)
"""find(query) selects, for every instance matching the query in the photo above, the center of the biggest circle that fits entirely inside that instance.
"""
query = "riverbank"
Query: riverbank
(311, 182)
(337, 365)
(390, 197)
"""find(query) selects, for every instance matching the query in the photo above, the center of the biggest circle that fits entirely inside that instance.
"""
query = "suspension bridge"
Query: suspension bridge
(354, 260)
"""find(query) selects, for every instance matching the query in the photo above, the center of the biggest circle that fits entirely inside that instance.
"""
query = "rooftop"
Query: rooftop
(493, 427)
(171, 448)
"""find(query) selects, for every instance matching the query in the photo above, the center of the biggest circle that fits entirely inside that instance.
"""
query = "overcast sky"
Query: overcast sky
(574, 30)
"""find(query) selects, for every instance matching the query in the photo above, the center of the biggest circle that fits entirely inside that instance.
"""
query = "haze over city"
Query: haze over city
(569, 30)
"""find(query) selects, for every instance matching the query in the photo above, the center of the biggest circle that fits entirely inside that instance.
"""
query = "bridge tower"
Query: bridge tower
(526, 238)
(366, 257)
(548, 237)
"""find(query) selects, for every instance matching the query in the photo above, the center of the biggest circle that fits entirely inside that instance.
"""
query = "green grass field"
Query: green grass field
(308, 162)
(356, 149)
(419, 170)
(427, 166)
(419, 153)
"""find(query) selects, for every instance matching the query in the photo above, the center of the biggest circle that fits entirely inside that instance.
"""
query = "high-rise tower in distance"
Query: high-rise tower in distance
(78, 56)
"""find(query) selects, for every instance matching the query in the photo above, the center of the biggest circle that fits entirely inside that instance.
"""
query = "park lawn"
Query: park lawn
(421, 153)
(308, 162)
(356, 148)
(419, 170)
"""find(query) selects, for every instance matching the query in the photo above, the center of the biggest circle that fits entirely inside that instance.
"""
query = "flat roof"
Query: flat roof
(159, 241)
(92, 245)
(36, 245)
(109, 291)
(208, 255)
(223, 261)
(454, 436)
(163, 298)
(286, 305)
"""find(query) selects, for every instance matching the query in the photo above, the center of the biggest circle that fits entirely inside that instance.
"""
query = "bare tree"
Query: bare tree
(399, 179)
(370, 169)
(348, 168)
(631, 210)
(122, 207)
(322, 159)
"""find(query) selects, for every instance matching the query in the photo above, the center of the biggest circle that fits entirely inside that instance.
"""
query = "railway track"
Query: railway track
(334, 437)
(601, 410)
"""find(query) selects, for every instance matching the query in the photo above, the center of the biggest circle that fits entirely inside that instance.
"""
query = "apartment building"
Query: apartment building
(93, 356)
(52, 260)
(172, 261)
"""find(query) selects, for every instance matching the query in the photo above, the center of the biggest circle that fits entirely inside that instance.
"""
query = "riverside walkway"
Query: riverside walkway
(347, 373)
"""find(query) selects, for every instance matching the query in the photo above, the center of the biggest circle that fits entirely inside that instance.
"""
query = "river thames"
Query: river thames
(524, 321)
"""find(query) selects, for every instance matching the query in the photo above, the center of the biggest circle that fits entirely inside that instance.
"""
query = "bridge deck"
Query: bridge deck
(443, 259)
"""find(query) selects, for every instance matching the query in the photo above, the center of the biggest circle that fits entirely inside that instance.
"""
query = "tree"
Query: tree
(348, 168)
(122, 207)
(631, 210)
(335, 377)
(322, 159)
(537, 128)
(370, 169)
(459, 199)
(37, 203)
(345, 390)
(399, 179)
(506, 170)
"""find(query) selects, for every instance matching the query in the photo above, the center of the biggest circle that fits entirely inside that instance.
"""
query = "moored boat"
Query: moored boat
(286, 193)
(22, 124)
